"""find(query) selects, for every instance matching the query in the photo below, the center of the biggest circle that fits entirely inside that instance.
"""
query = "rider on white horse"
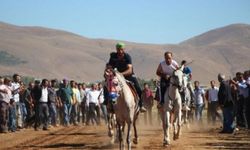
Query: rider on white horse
(123, 62)
(190, 93)
(164, 71)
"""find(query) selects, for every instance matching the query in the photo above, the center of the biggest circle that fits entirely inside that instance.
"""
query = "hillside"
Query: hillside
(43, 52)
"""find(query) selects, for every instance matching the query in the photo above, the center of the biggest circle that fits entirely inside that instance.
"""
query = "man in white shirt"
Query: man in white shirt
(199, 95)
(83, 106)
(5, 95)
(213, 101)
(15, 86)
(92, 102)
(43, 104)
(101, 102)
(164, 71)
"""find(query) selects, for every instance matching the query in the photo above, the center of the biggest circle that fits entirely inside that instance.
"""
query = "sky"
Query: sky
(143, 21)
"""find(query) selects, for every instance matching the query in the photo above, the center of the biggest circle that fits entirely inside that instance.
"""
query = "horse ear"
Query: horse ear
(182, 67)
(115, 70)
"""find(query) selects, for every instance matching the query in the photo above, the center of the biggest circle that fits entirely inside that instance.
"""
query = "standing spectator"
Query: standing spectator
(25, 102)
(29, 104)
(22, 103)
(12, 113)
(43, 104)
(148, 101)
(65, 95)
(75, 101)
(79, 109)
(15, 86)
(36, 95)
(213, 101)
(53, 102)
(226, 102)
(242, 97)
(5, 95)
(199, 101)
(83, 103)
(92, 102)
(247, 78)
(101, 102)
(60, 106)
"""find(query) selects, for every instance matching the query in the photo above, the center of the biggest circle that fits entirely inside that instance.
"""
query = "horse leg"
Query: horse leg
(177, 124)
(110, 131)
(123, 134)
(111, 127)
(187, 118)
(121, 145)
(135, 140)
(165, 126)
(129, 136)
(175, 128)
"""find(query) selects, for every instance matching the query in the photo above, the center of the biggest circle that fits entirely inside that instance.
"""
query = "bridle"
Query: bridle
(175, 77)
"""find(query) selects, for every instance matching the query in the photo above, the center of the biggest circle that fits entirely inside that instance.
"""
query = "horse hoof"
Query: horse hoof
(175, 137)
(110, 133)
(166, 143)
(116, 140)
(135, 140)
(112, 141)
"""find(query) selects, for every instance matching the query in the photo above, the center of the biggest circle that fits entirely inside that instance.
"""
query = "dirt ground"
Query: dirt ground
(196, 137)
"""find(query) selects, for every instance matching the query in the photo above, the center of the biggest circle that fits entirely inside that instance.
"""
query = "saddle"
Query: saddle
(133, 90)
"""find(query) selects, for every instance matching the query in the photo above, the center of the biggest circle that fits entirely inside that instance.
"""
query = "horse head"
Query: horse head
(177, 78)
(114, 80)
(120, 77)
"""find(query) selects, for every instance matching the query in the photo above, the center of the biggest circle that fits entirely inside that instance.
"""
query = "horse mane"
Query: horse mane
(119, 76)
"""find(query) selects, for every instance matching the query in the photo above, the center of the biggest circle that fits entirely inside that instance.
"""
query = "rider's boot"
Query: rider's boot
(142, 108)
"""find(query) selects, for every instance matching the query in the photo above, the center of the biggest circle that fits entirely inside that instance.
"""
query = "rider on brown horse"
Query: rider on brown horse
(123, 63)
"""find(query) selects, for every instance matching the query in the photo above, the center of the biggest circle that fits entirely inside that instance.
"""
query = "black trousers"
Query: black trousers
(241, 112)
(248, 111)
(164, 84)
(4, 116)
(92, 114)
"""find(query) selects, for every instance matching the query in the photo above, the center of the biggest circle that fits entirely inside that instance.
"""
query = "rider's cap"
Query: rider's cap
(120, 45)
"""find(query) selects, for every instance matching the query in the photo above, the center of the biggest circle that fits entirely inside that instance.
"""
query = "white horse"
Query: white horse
(172, 104)
(126, 111)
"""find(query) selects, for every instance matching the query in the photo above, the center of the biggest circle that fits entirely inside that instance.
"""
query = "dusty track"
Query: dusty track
(95, 137)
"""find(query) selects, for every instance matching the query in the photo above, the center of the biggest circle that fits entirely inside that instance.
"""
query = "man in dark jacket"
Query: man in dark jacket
(36, 95)
(227, 105)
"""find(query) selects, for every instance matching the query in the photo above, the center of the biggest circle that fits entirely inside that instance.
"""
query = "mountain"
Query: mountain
(42, 52)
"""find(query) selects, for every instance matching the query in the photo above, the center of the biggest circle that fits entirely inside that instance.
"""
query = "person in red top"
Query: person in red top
(148, 102)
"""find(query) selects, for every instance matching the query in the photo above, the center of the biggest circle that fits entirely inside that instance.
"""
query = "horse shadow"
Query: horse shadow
(231, 141)
(54, 134)
(95, 146)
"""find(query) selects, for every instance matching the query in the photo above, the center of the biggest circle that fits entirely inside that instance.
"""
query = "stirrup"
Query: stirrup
(159, 105)
(143, 109)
